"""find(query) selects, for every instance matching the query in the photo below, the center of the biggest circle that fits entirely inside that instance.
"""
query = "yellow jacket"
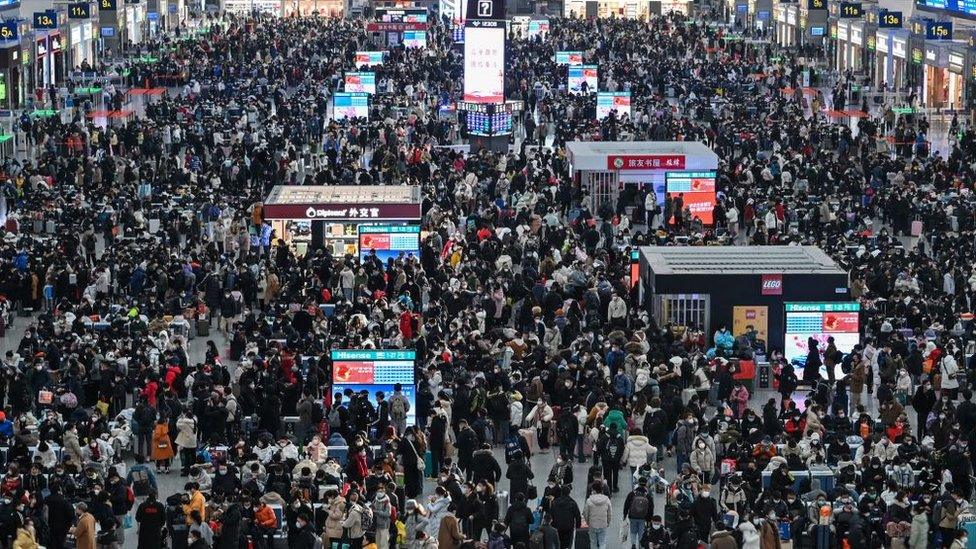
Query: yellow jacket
(197, 503)
(25, 539)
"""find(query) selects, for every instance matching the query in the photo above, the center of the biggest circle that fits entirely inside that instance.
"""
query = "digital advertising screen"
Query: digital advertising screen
(457, 33)
(487, 124)
(961, 7)
(484, 62)
(368, 59)
(538, 27)
(612, 101)
(376, 370)
(820, 321)
(579, 74)
(414, 39)
(698, 190)
(569, 58)
(417, 15)
(350, 105)
(362, 82)
(389, 241)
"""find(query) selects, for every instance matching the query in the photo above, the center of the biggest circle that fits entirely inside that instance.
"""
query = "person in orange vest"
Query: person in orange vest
(265, 522)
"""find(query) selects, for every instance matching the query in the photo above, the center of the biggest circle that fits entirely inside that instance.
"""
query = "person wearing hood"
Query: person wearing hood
(918, 538)
(703, 460)
(484, 466)
(722, 538)
(597, 513)
(637, 451)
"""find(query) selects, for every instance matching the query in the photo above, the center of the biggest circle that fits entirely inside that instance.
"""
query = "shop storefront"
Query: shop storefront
(13, 88)
(244, 7)
(786, 25)
(862, 56)
(942, 87)
(81, 46)
(335, 218)
(892, 58)
(50, 58)
(135, 16)
(325, 8)
(629, 9)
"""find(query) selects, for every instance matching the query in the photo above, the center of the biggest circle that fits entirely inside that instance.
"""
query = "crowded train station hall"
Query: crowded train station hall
(487, 274)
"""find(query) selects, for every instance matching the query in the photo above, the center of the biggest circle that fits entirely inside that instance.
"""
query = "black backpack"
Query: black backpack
(318, 414)
(513, 448)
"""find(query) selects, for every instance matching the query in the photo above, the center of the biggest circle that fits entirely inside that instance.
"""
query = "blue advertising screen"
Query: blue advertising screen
(376, 370)
(389, 241)
(350, 105)
(961, 7)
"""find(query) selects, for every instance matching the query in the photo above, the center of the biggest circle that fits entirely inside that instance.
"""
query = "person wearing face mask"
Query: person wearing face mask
(684, 437)
(923, 401)
(657, 536)
(704, 512)
(383, 515)
(918, 537)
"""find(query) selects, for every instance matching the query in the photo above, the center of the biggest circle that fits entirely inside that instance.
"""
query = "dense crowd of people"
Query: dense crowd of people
(121, 243)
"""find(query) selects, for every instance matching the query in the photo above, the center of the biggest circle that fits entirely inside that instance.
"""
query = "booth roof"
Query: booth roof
(344, 194)
(592, 155)
(739, 260)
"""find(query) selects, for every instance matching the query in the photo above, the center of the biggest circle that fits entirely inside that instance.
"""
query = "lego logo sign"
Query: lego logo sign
(772, 284)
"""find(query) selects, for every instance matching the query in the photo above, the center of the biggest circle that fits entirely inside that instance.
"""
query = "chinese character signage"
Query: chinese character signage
(646, 162)
(484, 61)
(344, 212)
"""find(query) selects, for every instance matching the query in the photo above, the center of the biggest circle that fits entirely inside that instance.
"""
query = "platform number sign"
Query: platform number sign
(890, 20)
(8, 30)
(938, 30)
(816, 4)
(45, 20)
(108, 5)
(851, 10)
(81, 10)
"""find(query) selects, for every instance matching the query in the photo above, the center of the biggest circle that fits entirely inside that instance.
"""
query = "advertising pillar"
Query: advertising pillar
(484, 76)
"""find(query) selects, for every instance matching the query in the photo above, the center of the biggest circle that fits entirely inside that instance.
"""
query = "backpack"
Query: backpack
(317, 413)
(536, 541)
(335, 420)
(398, 406)
(639, 506)
(497, 542)
(368, 524)
(513, 448)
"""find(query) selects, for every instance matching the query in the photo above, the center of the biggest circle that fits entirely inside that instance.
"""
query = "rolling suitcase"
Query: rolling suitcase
(203, 328)
(503, 502)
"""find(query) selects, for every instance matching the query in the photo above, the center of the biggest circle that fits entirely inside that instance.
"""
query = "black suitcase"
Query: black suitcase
(583, 538)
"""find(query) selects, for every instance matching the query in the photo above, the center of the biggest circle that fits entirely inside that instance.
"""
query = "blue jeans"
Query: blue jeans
(637, 527)
(598, 538)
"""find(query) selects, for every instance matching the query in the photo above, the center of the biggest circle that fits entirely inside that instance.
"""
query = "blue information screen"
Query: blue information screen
(964, 7)
(376, 370)
(389, 241)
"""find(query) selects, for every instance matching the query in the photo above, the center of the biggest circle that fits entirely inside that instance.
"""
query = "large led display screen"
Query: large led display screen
(579, 74)
(484, 61)
(697, 190)
(606, 102)
(569, 58)
(368, 59)
(376, 370)
(361, 82)
(350, 105)
(414, 39)
(962, 7)
(538, 27)
(820, 321)
(389, 241)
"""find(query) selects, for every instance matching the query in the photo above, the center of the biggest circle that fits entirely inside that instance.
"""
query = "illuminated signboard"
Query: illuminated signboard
(45, 20)
(108, 5)
(612, 101)
(569, 58)
(814, 5)
(851, 10)
(582, 73)
(484, 61)
(890, 20)
(634, 267)
(350, 105)
(697, 189)
(415, 39)
(368, 59)
(954, 7)
(538, 27)
(816, 31)
(8, 30)
(389, 241)
(79, 10)
(938, 30)
(818, 321)
(360, 82)
(401, 15)
(373, 371)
